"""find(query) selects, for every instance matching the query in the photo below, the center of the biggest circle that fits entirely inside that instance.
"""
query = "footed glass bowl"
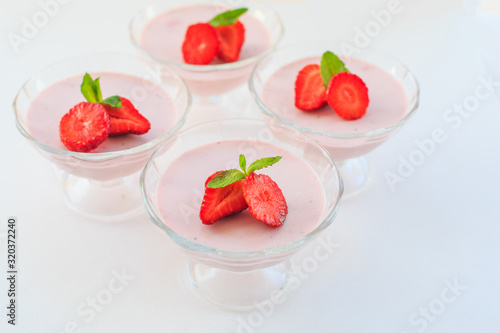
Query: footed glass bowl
(158, 31)
(392, 89)
(239, 262)
(102, 184)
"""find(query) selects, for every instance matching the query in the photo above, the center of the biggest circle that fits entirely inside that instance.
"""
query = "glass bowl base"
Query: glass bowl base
(104, 201)
(240, 291)
(355, 174)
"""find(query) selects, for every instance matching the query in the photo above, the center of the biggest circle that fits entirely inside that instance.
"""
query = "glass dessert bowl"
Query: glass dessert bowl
(101, 184)
(239, 262)
(393, 92)
(158, 31)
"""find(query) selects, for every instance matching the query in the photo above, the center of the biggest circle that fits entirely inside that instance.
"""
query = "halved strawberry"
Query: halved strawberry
(265, 200)
(126, 119)
(84, 127)
(221, 202)
(231, 38)
(310, 93)
(347, 94)
(200, 45)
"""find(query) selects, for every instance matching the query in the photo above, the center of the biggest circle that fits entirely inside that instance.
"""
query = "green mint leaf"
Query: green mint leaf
(226, 178)
(331, 65)
(262, 163)
(243, 163)
(114, 101)
(96, 87)
(227, 18)
(88, 89)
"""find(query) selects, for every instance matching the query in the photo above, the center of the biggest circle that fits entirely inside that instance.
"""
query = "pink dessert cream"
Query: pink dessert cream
(163, 36)
(344, 139)
(50, 105)
(180, 196)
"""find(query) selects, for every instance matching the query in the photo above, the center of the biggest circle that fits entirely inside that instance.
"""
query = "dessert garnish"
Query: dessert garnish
(232, 191)
(231, 34)
(84, 127)
(126, 119)
(348, 96)
(88, 124)
(332, 83)
(310, 93)
(265, 200)
(221, 202)
(200, 45)
(221, 37)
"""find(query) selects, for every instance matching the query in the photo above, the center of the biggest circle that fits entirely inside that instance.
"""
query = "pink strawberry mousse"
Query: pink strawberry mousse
(163, 36)
(47, 109)
(180, 194)
(388, 104)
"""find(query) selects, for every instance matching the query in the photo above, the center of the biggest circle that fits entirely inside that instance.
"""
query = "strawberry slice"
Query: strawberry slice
(84, 127)
(265, 200)
(310, 93)
(231, 38)
(200, 45)
(221, 202)
(126, 120)
(347, 94)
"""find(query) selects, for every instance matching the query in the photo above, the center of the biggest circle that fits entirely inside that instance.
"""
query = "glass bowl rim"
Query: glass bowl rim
(90, 156)
(282, 249)
(410, 109)
(206, 68)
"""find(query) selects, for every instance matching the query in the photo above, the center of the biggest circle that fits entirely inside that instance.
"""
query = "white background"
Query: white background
(396, 250)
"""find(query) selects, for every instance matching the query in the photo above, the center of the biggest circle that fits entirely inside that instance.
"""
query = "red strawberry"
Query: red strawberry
(84, 127)
(265, 200)
(200, 45)
(310, 93)
(221, 202)
(347, 94)
(231, 38)
(126, 119)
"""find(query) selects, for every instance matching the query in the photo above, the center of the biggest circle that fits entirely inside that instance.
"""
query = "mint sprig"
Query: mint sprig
(262, 163)
(228, 17)
(243, 162)
(230, 176)
(226, 177)
(331, 65)
(91, 90)
(114, 101)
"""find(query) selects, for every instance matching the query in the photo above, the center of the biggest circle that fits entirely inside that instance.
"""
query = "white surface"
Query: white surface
(394, 250)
